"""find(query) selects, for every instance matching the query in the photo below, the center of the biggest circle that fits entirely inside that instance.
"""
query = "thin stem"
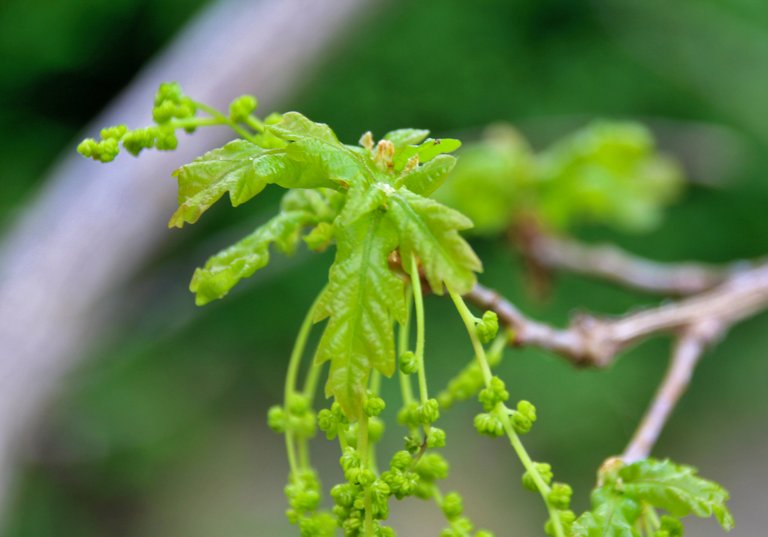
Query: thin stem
(362, 449)
(419, 301)
(226, 121)
(290, 389)
(375, 387)
(503, 412)
(255, 123)
(310, 382)
(403, 336)
(186, 123)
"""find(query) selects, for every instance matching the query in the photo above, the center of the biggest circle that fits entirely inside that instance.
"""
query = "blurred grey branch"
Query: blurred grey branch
(89, 230)
(613, 264)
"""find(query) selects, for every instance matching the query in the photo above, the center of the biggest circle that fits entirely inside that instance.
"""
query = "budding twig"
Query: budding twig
(593, 341)
(688, 349)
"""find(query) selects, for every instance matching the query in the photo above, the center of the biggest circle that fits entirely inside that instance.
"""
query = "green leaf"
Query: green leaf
(295, 126)
(493, 181)
(319, 153)
(203, 181)
(607, 173)
(362, 300)
(612, 515)
(677, 489)
(429, 230)
(427, 178)
(402, 137)
(225, 269)
(425, 151)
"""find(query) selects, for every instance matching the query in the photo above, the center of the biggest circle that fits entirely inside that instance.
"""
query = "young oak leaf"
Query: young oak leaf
(677, 489)
(427, 178)
(316, 147)
(426, 151)
(312, 158)
(430, 230)
(299, 208)
(612, 515)
(361, 302)
(404, 137)
(241, 260)
(206, 179)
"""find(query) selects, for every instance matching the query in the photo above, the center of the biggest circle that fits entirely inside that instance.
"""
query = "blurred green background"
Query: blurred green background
(162, 431)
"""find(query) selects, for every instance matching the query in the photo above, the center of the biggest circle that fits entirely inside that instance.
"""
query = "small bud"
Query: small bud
(560, 496)
(408, 363)
(488, 327)
(366, 140)
(432, 466)
(166, 140)
(242, 107)
(452, 505)
(545, 472)
(374, 405)
(327, 423)
(436, 438)
(276, 419)
(489, 424)
(385, 152)
(116, 132)
(429, 412)
(401, 460)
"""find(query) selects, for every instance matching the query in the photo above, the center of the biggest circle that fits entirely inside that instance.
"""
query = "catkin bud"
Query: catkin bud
(408, 363)
(242, 107)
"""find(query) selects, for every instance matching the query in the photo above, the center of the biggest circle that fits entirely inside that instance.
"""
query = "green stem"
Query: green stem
(310, 382)
(375, 387)
(290, 389)
(255, 123)
(226, 121)
(503, 412)
(188, 122)
(419, 301)
(403, 337)
(406, 389)
(362, 449)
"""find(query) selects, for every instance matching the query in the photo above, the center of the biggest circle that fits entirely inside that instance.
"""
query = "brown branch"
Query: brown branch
(699, 320)
(618, 266)
(594, 341)
(688, 349)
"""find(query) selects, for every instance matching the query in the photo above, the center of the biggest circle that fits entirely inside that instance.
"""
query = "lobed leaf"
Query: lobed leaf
(206, 179)
(426, 151)
(677, 489)
(361, 302)
(299, 208)
(403, 137)
(425, 179)
(225, 269)
(612, 515)
(429, 230)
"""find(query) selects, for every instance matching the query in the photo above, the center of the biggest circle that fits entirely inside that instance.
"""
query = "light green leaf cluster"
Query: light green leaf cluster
(607, 173)
(629, 491)
(371, 200)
